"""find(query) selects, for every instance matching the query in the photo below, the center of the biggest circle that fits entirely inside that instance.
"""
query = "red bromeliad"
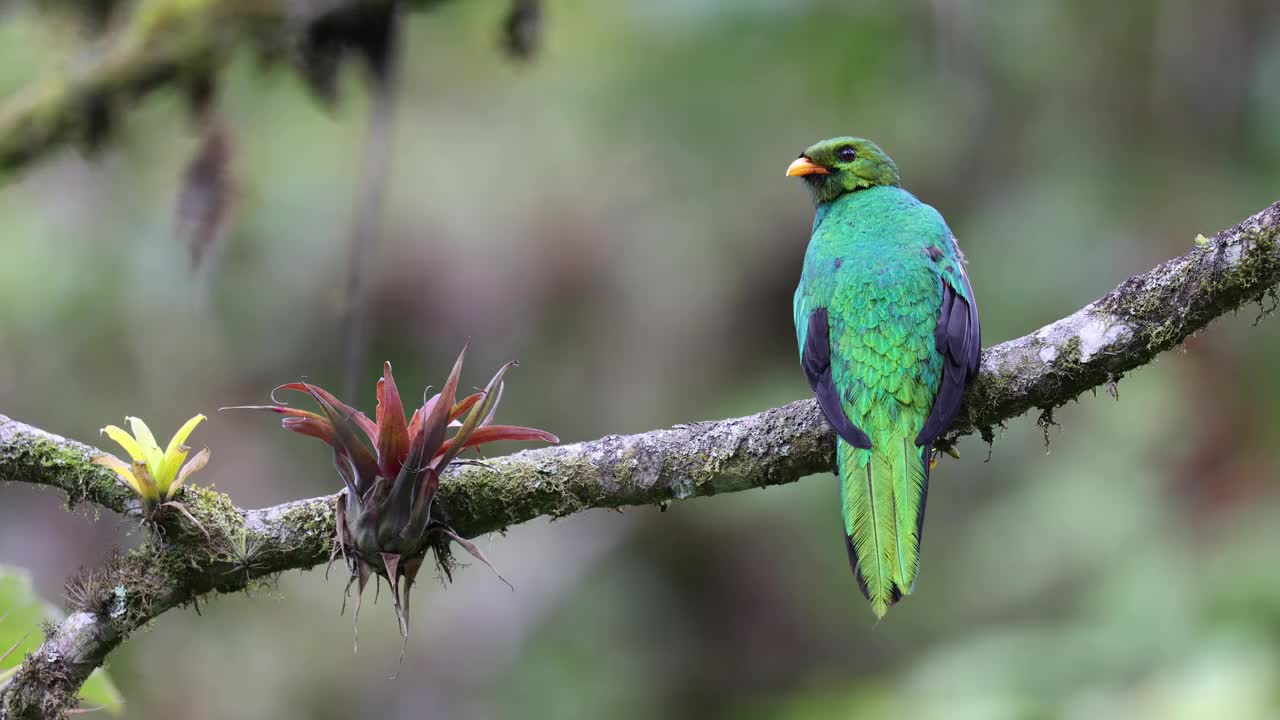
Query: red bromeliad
(385, 526)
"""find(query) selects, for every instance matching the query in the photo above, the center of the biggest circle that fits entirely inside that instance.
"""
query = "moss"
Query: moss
(312, 519)
(1046, 421)
(993, 392)
(478, 501)
(158, 17)
(1148, 306)
(988, 435)
(700, 478)
(1195, 288)
(52, 680)
(212, 508)
(37, 460)
(624, 471)
(127, 588)
(194, 520)
(1069, 354)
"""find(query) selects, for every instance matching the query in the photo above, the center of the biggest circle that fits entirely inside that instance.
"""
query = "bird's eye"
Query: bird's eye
(847, 154)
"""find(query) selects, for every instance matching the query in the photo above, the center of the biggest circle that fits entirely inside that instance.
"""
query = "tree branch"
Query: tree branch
(165, 43)
(1146, 315)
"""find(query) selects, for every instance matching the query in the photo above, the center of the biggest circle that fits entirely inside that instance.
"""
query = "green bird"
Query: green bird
(888, 333)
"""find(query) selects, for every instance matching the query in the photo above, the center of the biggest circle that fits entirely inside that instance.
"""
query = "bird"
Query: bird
(888, 334)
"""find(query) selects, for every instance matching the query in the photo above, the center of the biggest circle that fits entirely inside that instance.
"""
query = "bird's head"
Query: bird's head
(842, 165)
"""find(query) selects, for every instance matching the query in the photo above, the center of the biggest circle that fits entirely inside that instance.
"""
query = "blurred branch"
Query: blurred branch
(1146, 315)
(72, 103)
(165, 43)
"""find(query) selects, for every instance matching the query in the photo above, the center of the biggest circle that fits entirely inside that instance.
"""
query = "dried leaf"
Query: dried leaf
(195, 465)
(145, 482)
(522, 31)
(473, 550)
(392, 563)
(174, 504)
(363, 571)
(207, 195)
(99, 120)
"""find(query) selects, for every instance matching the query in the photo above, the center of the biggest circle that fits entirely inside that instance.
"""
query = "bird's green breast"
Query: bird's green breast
(869, 263)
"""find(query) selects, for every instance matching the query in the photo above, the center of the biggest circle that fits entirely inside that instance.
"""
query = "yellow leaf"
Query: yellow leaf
(126, 441)
(147, 442)
(176, 452)
(120, 468)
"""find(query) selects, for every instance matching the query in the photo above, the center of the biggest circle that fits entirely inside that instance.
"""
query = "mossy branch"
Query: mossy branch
(1146, 315)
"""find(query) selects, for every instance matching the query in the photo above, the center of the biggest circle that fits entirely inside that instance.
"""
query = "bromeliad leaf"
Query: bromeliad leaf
(177, 451)
(147, 442)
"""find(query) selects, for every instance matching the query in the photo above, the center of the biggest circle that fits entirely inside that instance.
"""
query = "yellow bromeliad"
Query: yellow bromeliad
(154, 475)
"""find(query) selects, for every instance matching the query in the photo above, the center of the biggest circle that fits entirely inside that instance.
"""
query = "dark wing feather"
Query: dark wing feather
(959, 339)
(816, 361)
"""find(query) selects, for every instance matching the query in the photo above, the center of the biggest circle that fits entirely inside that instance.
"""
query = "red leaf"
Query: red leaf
(428, 442)
(344, 424)
(344, 409)
(495, 433)
(475, 419)
(464, 405)
(377, 411)
(415, 425)
(458, 411)
(437, 418)
(313, 427)
(430, 404)
(278, 409)
(393, 433)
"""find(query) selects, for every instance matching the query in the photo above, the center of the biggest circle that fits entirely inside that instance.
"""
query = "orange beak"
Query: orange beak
(805, 166)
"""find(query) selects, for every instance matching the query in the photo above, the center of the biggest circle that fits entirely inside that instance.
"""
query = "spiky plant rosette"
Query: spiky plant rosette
(155, 475)
(391, 468)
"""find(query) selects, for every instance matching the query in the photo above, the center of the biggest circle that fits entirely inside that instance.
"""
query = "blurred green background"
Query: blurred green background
(614, 215)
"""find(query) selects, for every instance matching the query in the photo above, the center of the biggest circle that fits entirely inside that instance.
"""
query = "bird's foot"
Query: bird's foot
(943, 445)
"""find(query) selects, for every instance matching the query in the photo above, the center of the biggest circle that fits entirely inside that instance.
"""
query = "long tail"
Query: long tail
(882, 499)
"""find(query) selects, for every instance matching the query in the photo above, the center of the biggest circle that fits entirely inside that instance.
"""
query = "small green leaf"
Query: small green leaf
(99, 692)
(23, 612)
(1202, 240)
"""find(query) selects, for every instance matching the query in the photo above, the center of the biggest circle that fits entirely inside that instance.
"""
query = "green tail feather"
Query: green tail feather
(882, 495)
